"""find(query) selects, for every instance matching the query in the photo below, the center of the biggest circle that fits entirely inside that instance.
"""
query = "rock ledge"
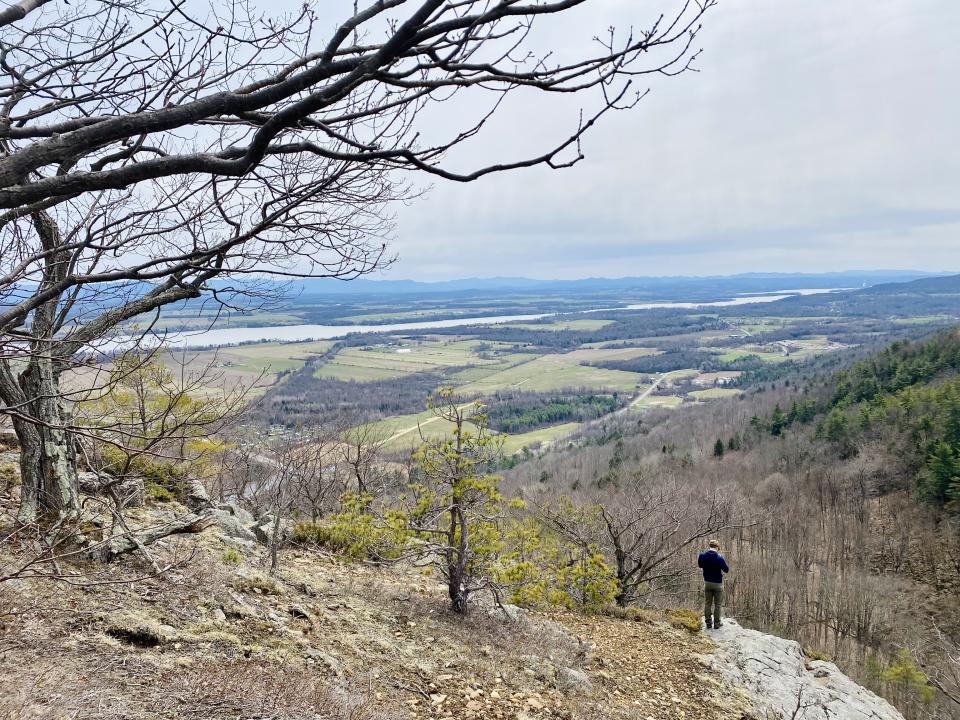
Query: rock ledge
(783, 683)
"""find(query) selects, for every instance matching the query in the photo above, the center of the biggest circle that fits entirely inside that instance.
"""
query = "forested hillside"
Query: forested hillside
(908, 394)
(842, 509)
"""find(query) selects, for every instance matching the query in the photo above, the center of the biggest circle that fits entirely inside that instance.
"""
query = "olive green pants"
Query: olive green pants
(712, 596)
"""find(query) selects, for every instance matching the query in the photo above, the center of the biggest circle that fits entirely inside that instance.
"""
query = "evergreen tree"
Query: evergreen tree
(718, 448)
(778, 421)
(943, 471)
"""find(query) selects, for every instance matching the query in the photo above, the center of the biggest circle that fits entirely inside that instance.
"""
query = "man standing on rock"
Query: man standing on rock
(714, 566)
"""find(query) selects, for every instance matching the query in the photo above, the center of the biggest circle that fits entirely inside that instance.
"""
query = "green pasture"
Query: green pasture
(382, 363)
(256, 364)
(552, 372)
(404, 432)
(515, 443)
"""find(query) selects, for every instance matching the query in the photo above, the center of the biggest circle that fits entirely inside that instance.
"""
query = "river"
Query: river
(299, 333)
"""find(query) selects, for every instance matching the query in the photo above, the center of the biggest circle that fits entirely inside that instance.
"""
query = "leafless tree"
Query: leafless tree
(298, 468)
(944, 672)
(152, 154)
(649, 527)
(645, 525)
(360, 448)
(318, 479)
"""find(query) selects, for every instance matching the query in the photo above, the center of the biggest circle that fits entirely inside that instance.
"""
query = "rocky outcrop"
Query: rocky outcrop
(235, 523)
(783, 683)
(127, 491)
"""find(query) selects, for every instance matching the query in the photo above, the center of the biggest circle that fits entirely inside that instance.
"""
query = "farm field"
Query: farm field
(533, 439)
(581, 324)
(485, 368)
(709, 379)
(256, 365)
(404, 432)
(553, 372)
(714, 393)
(530, 369)
(657, 401)
(368, 364)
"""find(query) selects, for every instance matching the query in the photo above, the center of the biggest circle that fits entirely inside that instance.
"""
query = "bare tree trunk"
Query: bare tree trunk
(275, 540)
(47, 457)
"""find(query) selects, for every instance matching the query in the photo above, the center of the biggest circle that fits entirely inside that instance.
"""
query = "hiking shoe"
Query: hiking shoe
(719, 625)
(709, 626)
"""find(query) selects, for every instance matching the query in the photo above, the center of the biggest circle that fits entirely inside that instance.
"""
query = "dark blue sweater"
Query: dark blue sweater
(714, 566)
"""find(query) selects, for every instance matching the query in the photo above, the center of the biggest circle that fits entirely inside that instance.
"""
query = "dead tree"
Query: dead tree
(149, 156)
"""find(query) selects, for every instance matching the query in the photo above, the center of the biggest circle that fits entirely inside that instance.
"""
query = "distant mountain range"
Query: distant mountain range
(742, 283)
(938, 284)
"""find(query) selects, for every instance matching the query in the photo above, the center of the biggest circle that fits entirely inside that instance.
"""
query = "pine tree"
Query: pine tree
(943, 471)
(778, 421)
(718, 448)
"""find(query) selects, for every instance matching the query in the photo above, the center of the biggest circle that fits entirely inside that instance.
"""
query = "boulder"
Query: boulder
(195, 495)
(232, 526)
(135, 628)
(777, 676)
(244, 517)
(264, 530)
(574, 680)
(514, 613)
(131, 491)
(328, 661)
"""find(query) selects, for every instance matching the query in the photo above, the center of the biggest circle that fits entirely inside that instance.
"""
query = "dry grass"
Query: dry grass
(326, 639)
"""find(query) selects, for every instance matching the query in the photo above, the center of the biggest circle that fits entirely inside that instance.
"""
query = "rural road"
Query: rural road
(420, 425)
(646, 393)
(639, 398)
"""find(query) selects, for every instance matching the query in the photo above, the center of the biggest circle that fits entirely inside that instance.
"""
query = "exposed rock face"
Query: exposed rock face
(130, 491)
(784, 684)
(235, 522)
(263, 530)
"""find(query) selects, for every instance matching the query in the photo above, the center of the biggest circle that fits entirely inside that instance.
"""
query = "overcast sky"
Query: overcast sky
(819, 135)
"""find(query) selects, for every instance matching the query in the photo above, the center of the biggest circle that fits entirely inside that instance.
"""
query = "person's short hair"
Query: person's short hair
(715, 544)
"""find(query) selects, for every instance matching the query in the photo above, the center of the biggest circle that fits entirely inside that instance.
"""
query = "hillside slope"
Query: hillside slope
(848, 486)
(217, 638)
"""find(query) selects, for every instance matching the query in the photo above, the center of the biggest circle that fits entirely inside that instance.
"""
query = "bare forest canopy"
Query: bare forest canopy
(854, 476)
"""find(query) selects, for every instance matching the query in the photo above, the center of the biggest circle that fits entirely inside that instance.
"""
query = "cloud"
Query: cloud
(818, 136)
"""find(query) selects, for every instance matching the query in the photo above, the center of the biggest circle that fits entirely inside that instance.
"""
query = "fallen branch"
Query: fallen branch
(192, 523)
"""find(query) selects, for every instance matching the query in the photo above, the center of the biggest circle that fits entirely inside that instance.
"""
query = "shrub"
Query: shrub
(905, 675)
(815, 654)
(158, 493)
(232, 557)
(540, 567)
(257, 583)
(684, 619)
(631, 614)
(357, 533)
